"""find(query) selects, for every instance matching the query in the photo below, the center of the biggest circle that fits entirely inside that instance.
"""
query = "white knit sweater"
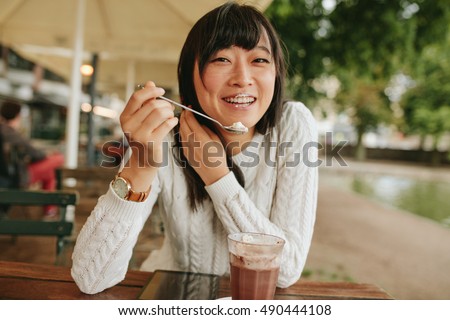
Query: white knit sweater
(279, 198)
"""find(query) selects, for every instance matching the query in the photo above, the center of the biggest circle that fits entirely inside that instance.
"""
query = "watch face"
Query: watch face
(121, 187)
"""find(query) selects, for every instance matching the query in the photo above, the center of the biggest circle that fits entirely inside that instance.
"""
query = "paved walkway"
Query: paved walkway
(365, 241)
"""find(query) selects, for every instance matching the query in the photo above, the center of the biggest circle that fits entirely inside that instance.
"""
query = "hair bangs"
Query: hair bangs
(233, 26)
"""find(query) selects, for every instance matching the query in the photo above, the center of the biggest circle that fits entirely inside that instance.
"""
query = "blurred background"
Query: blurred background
(375, 74)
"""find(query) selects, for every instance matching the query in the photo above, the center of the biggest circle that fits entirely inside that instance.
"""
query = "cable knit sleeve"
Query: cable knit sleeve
(292, 214)
(106, 241)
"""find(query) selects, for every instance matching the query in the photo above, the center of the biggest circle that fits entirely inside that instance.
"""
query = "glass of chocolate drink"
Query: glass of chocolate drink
(254, 265)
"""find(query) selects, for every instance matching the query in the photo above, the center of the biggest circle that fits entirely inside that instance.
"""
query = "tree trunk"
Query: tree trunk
(423, 154)
(435, 157)
(422, 142)
(360, 150)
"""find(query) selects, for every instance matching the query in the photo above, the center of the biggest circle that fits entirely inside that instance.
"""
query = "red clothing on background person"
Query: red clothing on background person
(44, 171)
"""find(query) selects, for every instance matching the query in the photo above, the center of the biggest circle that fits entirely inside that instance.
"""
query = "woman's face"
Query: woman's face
(238, 84)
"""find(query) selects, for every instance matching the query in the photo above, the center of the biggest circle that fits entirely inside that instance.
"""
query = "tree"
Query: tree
(427, 105)
(297, 22)
(368, 43)
(366, 105)
(362, 43)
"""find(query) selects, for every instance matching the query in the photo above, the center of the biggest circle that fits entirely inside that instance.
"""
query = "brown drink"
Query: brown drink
(248, 284)
(254, 265)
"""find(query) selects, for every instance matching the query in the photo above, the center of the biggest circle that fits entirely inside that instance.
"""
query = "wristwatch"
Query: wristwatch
(122, 187)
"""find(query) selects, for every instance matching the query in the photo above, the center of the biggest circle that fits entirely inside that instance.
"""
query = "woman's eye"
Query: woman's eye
(261, 60)
(219, 59)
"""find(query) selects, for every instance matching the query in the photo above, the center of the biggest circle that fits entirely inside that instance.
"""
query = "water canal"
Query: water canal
(427, 198)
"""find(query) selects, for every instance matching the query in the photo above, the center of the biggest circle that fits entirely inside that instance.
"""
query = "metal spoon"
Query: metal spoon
(237, 127)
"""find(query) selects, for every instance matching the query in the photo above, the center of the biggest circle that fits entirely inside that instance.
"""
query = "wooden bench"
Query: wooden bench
(90, 183)
(60, 228)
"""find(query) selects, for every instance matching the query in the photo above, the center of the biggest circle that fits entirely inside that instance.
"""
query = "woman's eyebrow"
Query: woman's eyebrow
(264, 48)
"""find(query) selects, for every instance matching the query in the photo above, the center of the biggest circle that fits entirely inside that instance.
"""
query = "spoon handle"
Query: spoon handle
(189, 109)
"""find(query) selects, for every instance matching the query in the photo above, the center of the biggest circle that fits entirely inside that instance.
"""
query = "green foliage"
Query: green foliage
(432, 22)
(297, 22)
(434, 122)
(364, 43)
(427, 105)
(370, 38)
(370, 41)
(366, 38)
(364, 102)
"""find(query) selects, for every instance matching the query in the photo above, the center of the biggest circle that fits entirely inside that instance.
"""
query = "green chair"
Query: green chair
(60, 228)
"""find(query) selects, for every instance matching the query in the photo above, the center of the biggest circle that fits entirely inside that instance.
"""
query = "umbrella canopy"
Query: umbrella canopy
(145, 33)
(134, 33)
(114, 74)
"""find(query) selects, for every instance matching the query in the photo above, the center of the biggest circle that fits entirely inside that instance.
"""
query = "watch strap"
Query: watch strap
(137, 196)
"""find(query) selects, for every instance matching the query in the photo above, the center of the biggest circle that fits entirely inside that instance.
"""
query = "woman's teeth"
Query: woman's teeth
(239, 101)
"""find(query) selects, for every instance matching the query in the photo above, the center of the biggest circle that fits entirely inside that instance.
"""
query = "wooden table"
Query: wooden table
(32, 281)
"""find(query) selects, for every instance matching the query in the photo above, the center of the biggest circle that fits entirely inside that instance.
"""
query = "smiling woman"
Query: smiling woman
(210, 182)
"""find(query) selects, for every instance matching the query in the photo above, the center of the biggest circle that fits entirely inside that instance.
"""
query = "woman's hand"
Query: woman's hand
(145, 122)
(203, 149)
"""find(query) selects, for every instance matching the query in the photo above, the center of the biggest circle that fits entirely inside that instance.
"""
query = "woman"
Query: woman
(214, 182)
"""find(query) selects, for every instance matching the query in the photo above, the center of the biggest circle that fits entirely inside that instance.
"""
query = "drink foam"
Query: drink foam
(255, 251)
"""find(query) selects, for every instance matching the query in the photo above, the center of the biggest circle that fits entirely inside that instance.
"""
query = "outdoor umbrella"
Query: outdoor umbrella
(117, 75)
(132, 31)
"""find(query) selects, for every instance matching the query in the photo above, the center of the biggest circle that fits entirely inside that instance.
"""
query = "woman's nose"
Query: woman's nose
(241, 76)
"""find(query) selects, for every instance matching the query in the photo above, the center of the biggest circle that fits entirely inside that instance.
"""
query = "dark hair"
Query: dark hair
(10, 109)
(229, 25)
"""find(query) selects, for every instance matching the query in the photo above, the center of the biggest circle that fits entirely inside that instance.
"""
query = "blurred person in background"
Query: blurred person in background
(31, 164)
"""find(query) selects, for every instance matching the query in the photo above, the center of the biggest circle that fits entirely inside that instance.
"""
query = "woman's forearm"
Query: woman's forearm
(106, 241)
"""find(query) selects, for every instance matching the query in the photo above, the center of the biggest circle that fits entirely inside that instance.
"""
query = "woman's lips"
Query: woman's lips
(240, 101)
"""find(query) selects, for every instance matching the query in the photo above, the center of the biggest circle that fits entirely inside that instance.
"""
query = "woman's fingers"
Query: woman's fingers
(184, 126)
(195, 135)
(145, 121)
(202, 149)
(144, 113)
(164, 128)
(157, 118)
(211, 133)
(139, 98)
(150, 115)
(192, 125)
